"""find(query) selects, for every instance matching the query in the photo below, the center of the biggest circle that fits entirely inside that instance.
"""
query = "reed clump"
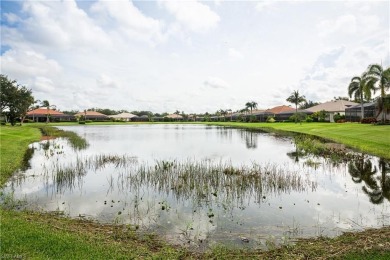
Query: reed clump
(76, 141)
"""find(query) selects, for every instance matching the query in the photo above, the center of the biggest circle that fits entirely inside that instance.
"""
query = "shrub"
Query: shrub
(298, 117)
(3, 123)
(82, 122)
(88, 121)
(270, 119)
(338, 117)
(309, 119)
(253, 119)
(28, 121)
(341, 121)
(368, 120)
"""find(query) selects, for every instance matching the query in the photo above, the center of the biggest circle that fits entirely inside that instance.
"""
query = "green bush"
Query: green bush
(309, 119)
(3, 123)
(337, 117)
(298, 117)
(253, 119)
(271, 119)
(82, 122)
(88, 121)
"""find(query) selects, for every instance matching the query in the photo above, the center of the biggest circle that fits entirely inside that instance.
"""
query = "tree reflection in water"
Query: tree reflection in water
(250, 138)
(376, 186)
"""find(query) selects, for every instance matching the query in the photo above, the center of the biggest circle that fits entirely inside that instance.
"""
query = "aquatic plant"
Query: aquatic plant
(76, 141)
(310, 145)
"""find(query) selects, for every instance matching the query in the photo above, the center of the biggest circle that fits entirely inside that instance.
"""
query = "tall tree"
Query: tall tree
(223, 113)
(14, 98)
(251, 105)
(308, 104)
(361, 89)
(296, 99)
(380, 78)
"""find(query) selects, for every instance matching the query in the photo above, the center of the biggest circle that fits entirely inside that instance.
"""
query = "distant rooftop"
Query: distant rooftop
(333, 106)
(44, 111)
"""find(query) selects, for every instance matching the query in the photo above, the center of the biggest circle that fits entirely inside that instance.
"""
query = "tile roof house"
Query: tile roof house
(92, 115)
(285, 115)
(41, 115)
(280, 109)
(333, 107)
(123, 116)
(175, 116)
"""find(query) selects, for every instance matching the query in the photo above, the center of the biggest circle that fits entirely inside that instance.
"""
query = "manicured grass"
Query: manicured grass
(45, 236)
(372, 139)
(13, 144)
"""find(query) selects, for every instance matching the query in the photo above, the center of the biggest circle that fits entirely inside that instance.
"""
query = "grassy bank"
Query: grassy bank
(14, 142)
(46, 236)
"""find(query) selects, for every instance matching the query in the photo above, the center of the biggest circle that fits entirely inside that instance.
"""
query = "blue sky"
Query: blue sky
(192, 56)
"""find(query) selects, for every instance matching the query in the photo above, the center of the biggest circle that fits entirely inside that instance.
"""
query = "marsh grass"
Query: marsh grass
(205, 181)
(310, 145)
(68, 175)
(76, 141)
(200, 181)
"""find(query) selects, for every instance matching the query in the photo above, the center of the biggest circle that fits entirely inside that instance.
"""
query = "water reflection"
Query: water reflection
(204, 183)
(376, 186)
(250, 138)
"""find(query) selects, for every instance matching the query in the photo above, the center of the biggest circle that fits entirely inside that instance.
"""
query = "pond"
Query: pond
(200, 185)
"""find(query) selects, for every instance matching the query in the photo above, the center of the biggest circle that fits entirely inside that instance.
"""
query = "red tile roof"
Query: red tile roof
(90, 113)
(44, 111)
(279, 109)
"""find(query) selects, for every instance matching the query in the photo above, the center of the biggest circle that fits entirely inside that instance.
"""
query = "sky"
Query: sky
(191, 56)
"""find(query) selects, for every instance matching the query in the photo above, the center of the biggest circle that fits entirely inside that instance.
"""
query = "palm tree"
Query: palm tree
(296, 99)
(46, 104)
(361, 89)
(384, 167)
(251, 105)
(362, 169)
(380, 77)
(223, 113)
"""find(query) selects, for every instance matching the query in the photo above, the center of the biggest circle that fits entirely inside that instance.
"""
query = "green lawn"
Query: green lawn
(13, 144)
(44, 236)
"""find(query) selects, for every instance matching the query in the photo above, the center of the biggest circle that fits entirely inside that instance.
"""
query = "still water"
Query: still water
(199, 185)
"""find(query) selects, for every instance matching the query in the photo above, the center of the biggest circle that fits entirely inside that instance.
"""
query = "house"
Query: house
(41, 115)
(285, 115)
(332, 108)
(372, 109)
(123, 116)
(175, 117)
(92, 115)
(261, 115)
(279, 109)
(353, 114)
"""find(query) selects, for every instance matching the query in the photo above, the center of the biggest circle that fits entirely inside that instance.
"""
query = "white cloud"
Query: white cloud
(235, 54)
(60, 25)
(192, 14)
(23, 64)
(11, 18)
(214, 82)
(262, 5)
(43, 84)
(345, 24)
(153, 56)
(122, 16)
(105, 82)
